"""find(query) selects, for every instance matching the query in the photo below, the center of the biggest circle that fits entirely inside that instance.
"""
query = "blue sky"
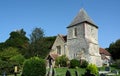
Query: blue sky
(55, 15)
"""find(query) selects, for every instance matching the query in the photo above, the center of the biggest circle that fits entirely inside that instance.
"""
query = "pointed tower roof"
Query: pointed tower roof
(81, 17)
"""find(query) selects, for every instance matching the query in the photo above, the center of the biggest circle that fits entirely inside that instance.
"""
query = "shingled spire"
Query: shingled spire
(81, 17)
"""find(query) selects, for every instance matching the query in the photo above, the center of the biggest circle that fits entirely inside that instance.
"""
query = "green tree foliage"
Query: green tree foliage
(6, 67)
(114, 49)
(117, 63)
(18, 40)
(7, 53)
(36, 35)
(47, 44)
(6, 57)
(36, 40)
(39, 45)
(34, 67)
(2, 46)
(17, 59)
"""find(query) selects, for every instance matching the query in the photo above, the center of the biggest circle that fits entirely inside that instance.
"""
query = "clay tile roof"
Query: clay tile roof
(103, 51)
(54, 56)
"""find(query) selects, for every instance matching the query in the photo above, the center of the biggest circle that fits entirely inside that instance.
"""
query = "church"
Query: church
(81, 41)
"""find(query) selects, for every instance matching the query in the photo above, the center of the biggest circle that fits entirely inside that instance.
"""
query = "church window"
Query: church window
(75, 32)
(59, 50)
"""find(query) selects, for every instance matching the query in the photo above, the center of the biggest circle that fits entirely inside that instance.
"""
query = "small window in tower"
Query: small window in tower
(58, 50)
(75, 32)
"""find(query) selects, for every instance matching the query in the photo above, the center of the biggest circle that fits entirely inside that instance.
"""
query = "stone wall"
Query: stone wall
(78, 43)
(85, 44)
(60, 42)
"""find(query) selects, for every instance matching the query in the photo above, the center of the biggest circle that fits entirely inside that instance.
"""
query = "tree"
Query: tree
(5, 59)
(18, 40)
(17, 59)
(7, 53)
(36, 43)
(114, 49)
(36, 35)
(39, 44)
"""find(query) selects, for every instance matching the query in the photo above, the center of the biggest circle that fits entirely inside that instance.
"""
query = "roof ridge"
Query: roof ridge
(82, 16)
(62, 36)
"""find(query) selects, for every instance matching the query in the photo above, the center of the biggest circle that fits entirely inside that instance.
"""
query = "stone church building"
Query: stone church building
(81, 41)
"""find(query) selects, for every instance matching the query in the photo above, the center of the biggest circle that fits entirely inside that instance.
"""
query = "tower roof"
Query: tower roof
(81, 17)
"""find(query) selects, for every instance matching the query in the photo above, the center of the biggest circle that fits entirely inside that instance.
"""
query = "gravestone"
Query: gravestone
(53, 72)
(68, 73)
(76, 73)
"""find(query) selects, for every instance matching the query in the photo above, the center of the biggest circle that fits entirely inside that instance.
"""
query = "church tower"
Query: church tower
(82, 39)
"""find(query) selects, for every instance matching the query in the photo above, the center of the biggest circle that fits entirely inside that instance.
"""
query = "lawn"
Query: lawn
(81, 71)
(62, 71)
(14, 75)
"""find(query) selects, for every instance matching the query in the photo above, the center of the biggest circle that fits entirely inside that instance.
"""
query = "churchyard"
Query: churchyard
(62, 71)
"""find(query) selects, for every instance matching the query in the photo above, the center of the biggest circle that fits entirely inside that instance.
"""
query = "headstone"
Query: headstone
(76, 73)
(115, 72)
(107, 68)
(53, 72)
(68, 73)
(50, 74)
(102, 75)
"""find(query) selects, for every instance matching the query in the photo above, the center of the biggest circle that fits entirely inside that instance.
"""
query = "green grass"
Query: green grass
(62, 71)
(14, 75)
(81, 71)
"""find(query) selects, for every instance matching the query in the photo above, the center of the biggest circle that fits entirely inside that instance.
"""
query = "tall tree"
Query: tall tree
(114, 49)
(40, 45)
(36, 35)
(36, 41)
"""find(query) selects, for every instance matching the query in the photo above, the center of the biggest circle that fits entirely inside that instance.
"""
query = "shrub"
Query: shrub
(83, 64)
(93, 69)
(74, 63)
(57, 61)
(62, 61)
(34, 67)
